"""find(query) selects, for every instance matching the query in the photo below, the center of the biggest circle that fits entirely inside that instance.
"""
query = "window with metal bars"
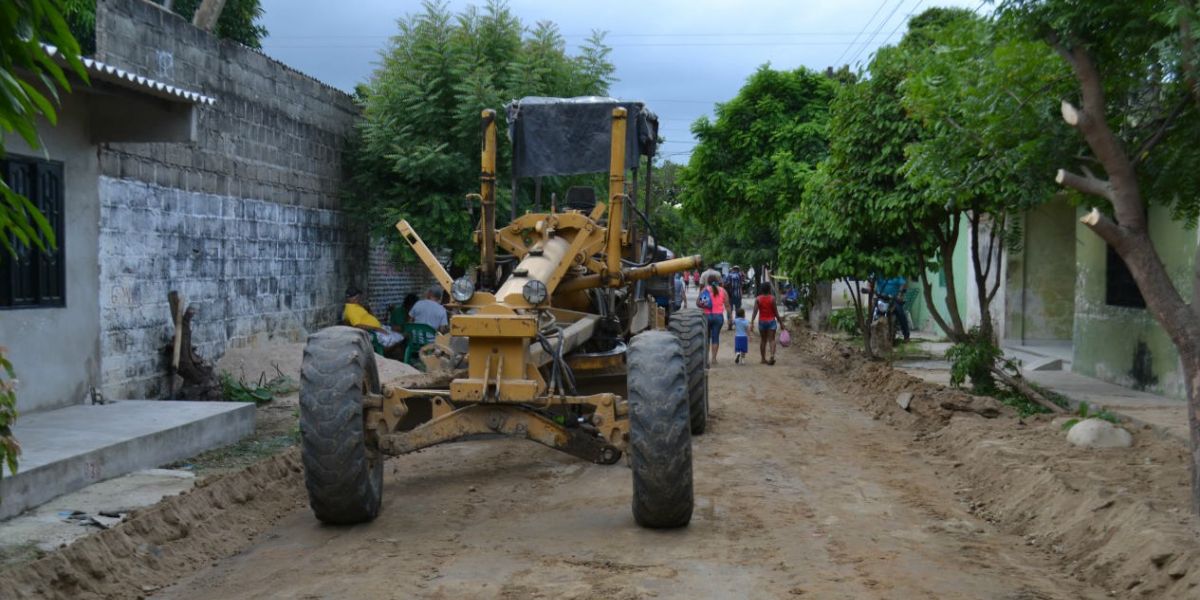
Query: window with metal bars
(35, 278)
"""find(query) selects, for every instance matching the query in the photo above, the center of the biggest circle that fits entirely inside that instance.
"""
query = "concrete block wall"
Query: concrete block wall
(244, 221)
(389, 281)
(252, 268)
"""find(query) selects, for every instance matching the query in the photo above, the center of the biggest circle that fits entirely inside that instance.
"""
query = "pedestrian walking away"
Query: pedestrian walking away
(741, 336)
(768, 322)
(733, 286)
(712, 300)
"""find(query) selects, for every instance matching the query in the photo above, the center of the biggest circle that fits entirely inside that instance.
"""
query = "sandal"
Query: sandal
(771, 361)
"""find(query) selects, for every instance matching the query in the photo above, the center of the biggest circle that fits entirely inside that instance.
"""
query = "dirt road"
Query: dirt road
(799, 492)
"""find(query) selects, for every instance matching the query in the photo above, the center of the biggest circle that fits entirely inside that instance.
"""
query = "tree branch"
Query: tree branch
(1104, 227)
(1089, 119)
(927, 288)
(1088, 185)
(1144, 150)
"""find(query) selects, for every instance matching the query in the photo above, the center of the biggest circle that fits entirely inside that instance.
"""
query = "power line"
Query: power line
(866, 45)
(268, 43)
(859, 34)
(902, 22)
(609, 35)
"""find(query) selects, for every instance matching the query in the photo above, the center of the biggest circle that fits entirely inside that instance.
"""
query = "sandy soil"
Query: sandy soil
(810, 483)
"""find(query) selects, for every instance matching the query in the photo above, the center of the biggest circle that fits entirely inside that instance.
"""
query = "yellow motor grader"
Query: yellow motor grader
(563, 341)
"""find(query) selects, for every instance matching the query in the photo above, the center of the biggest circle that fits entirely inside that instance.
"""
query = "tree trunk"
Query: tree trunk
(980, 277)
(1128, 234)
(822, 306)
(207, 14)
(947, 251)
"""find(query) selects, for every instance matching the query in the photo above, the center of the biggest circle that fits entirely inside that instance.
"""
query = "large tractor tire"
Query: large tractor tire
(660, 437)
(343, 475)
(690, 327)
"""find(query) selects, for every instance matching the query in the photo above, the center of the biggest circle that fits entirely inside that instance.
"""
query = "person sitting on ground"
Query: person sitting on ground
(429, 311)
(355, 314)
(768, 321)
(741, 339)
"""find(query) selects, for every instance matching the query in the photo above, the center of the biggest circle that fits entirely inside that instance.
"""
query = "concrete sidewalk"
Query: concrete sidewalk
(1164, 414)
(66, 449)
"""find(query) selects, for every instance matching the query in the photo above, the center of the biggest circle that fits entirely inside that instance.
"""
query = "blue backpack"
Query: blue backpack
(705, 299)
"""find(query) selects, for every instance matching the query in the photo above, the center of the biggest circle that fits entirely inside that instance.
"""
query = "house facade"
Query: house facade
(1067, 294)
(193, 164)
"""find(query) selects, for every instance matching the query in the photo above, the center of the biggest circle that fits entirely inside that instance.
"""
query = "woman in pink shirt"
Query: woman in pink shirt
(715, 311)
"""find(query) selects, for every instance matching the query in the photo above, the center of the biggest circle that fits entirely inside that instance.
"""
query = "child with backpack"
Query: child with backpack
(741, 339)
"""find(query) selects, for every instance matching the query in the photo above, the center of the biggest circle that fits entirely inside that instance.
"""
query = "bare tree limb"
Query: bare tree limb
(999, 258)
(1019, 384)
(1089, 119)
(1088, 185)
(927, 288)
(1144, 150)
(1104, 227)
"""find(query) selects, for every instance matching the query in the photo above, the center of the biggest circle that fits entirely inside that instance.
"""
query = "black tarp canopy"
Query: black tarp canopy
(569, 136)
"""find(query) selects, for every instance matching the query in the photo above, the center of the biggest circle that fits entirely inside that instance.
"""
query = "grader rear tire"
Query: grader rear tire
(660, 439)
(344, 477)
(690, 327)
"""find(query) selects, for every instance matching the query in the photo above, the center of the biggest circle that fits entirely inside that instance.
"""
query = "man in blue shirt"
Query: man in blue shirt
(896, 288)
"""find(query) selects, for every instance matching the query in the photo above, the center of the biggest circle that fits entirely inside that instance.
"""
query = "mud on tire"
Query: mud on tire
(690, 327)
(343, 476)
(660, 438)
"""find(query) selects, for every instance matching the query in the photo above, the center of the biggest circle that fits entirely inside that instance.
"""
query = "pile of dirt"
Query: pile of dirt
(270, 359)
(157, 545)
(1115, 518)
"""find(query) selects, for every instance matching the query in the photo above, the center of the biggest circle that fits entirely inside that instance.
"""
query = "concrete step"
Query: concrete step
(66, 449)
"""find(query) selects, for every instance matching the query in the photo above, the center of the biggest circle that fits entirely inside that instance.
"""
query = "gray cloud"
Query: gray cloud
(680, 56)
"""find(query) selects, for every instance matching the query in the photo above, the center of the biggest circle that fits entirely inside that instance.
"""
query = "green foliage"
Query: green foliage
(751, 165)
(988, 104)
(30, 80)
(676, 228)
(237, 390)
(1147, 53)
(973, 359)
(9, 448)
(844, 320)
(239, 21)
(1086, 412)
(416, 152)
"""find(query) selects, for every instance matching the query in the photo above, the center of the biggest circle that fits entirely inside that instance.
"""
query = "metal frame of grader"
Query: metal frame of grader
(533, 351)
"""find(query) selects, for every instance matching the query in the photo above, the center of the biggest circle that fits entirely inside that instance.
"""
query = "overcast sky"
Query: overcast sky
(679, 56)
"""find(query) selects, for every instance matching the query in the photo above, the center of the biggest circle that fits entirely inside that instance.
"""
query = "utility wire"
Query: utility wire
(877, 30)
(902, 22)
(859, 34)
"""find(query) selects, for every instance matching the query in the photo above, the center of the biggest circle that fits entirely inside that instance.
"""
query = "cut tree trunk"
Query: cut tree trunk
(199, 379)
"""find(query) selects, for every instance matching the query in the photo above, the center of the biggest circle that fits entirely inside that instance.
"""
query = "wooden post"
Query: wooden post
(177, 302)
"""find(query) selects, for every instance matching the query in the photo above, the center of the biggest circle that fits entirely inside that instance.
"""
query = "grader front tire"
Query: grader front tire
(690, 327)
(660, 439)
(344, 477)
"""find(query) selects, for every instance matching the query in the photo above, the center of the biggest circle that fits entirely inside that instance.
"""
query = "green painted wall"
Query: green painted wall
(960, 258)
(1107, 337)
(1040, 289)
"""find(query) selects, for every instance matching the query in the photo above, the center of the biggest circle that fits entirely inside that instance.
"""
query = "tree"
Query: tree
(28, 74)
(980, 97)
(1137, 107)
(749, 167)
(416, 152)
(239, 21)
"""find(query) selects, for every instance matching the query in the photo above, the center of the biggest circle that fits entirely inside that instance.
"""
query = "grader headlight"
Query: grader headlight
(534, 292)
(462, 289)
